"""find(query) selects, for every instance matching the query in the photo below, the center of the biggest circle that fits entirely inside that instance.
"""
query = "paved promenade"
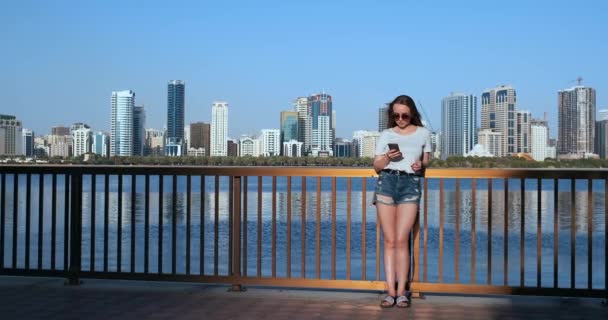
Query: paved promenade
(44, 298)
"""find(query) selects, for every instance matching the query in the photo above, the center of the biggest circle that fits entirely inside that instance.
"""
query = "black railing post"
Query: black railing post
(236, 236)
(75, 228)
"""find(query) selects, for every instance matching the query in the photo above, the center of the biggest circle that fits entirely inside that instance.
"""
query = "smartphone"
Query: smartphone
(393, 146)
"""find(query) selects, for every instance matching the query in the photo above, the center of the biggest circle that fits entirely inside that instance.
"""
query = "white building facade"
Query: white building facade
(219, 129)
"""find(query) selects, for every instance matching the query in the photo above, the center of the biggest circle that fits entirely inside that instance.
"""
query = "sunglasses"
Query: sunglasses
(402, 116)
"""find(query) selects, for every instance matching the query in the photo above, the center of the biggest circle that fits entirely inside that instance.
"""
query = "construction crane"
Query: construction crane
(578, 80)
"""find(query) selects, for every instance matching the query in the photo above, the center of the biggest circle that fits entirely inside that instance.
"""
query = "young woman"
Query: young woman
(402, 153)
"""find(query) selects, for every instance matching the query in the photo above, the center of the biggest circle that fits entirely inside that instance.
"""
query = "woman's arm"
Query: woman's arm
(380, 162)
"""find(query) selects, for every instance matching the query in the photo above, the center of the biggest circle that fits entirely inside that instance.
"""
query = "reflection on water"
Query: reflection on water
(472, 207)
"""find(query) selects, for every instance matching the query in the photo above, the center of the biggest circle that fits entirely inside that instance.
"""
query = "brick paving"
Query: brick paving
(44, 298)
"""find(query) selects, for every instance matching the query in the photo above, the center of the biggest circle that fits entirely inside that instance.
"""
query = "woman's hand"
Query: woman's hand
(417, 165)
(393, 155)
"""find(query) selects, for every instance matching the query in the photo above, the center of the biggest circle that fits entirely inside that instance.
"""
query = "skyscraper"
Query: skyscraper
(289, 126)
(121, 132)
(82, 139)
(139, 131)
(101, 144)
(200, 136)
(175, 118)
(300, 105)
(11, 136)
(539, 138)
(28, 143)
(219, 129)
(271, 142)
(498, 113)
(383, 117)
(576, 122)
(458, 124)
(523, 123)
(320, 106)
(601, 139)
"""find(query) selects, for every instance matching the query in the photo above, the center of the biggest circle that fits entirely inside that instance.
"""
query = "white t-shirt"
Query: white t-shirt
(412, 146)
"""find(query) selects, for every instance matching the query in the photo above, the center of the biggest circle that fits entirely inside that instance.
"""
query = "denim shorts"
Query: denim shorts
(401, 188)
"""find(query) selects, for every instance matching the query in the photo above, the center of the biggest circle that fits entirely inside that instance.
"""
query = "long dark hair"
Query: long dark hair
(409, 102)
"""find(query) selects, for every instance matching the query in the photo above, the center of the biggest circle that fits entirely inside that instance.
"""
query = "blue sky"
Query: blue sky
(60, 60)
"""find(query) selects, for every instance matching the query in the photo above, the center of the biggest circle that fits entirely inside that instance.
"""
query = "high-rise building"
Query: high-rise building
(523, 123)
(498, 113)
(121, 134)
(601, 139)
(271, 142)
(576, 122)
(219, 129)
(289, 126)
(458, 124)
(300, 105)
(200, 136)
(139, 131)
(320, 106)
(82, 139)
(539, 140)
(249, 146)
(383, 117)
(359, 141)
(11, 136)
(233, 148)
(174, 137)
(369, 145)
(491, 141)
(101, 144)
(602, 115)
(155, 142)
(60, 131)
(343, 148)
(28, 142)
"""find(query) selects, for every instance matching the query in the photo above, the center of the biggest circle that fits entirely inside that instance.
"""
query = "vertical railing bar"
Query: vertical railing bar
(259, 231)
(174, 225)
(288, 248)
(441, 213)
(202, 228)
(133, 203)
(147, 224)
(506, 234)
(188, 220)
(539, 234)
(53, 219)
(489, 231)
(377, 250)
(522, 237)
(245, 224)
(119, 227)
(231, 243)
(318, 238)
(426, 231)
(161, 191)
(40, 218)
(274, 227)
(106, 221)
(555, 232)
(66, 223)
(363, 228)
(572, 233)
(457, 234)
(303, 230)
(2, 217)
(348, 226)
(473, 228)
(93, 211)
(236, 233)
(216, 226)
(15, 218)
(28, 218)
(333, 228)
(589, 233)
(75, 229)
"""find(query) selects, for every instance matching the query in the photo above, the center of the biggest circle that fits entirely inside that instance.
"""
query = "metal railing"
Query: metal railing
(249, 232)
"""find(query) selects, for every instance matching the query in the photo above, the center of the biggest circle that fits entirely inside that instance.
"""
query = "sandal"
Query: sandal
(388, 302)
(403, 302)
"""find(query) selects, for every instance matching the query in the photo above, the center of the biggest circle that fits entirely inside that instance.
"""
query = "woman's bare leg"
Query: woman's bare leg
(405, 218)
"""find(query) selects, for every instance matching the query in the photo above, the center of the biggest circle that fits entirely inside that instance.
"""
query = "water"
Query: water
(357, 204)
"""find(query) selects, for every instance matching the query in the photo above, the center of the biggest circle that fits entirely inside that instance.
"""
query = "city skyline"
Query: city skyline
(259, 65)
